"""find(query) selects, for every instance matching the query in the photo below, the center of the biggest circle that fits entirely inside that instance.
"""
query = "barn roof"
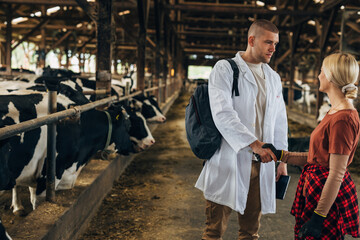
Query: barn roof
(202, 30)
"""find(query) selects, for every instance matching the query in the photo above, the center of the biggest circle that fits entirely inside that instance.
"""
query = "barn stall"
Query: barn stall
(155, 42)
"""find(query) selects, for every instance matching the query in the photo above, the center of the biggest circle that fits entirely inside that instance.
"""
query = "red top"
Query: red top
(337, 133)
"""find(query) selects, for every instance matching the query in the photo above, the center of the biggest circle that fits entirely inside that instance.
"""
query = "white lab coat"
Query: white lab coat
(225, 178)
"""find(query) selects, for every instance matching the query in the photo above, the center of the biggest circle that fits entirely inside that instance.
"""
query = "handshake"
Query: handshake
(278, 153)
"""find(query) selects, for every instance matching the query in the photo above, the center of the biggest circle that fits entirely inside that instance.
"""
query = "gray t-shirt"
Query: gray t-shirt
(260, 104)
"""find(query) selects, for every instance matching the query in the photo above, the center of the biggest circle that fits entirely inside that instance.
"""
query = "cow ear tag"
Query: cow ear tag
(117, 117)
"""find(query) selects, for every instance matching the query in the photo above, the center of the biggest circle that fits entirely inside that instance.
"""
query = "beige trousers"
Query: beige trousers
(217, 215)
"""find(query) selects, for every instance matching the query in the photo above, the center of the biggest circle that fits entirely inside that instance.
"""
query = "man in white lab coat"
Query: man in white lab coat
(232, 179)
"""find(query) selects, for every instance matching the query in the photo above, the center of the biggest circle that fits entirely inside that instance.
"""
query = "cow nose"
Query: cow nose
(152, 141)
(163, 119)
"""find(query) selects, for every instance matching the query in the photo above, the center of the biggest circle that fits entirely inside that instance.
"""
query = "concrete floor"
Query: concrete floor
(165, 205)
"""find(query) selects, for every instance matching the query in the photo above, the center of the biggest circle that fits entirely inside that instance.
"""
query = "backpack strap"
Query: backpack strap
(235, 77)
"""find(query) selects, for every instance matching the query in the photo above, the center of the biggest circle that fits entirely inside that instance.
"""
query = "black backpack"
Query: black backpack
(201, 132)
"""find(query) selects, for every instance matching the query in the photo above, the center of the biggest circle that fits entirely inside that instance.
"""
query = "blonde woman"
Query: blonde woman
(325, 205)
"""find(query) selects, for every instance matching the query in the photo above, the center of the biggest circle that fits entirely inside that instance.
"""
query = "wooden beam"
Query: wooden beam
(129, 31)
(285, 55)
(331, 4)
(119, 4)
(311, 44)
(148, 39)
(219, 8)
(213, 20)
(37, 27)
(127, 47)
(354, 26)
(88, 9)
(52, 27)
(202, 62)
(208, 51)
(88, 41)
(211, 34)
(67, 34)
(327, 29)
(53, 17)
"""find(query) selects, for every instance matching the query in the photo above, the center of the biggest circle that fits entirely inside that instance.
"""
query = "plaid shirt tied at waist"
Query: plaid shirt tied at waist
(343, 217)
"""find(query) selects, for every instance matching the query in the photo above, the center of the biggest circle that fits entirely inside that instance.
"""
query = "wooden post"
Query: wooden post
(157, 10)
(141, 44)
(51, 151)
(8, 38)
(104, 46)
(115, 59)
(323, 43)
(166, 57)
(42, 49)
(294, 42)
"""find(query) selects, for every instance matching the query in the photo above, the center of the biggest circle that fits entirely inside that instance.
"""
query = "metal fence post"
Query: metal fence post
(52, 84)
(127, 92)
(149, 86)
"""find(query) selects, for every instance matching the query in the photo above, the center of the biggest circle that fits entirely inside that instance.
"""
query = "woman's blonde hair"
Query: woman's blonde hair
(342, 69)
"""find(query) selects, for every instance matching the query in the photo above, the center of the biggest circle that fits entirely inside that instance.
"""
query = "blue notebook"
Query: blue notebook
(281, 186)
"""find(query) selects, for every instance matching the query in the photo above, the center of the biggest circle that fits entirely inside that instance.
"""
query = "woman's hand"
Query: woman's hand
(281, 170)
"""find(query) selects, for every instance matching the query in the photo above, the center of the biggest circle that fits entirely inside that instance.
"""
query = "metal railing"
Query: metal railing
(53, 118)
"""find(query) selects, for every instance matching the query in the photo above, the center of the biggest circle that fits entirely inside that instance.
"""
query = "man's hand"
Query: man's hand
(313, 227)
(265, 154)
(282, 168)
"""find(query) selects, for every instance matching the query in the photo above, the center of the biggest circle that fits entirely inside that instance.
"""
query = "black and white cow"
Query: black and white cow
(300, 96)
(139, 131)
(3, 234)
(297, 93)
(78, 142)
(73, 91)
(150, 108)
(89, 84)
(67, 88)
(7, 180)
(28, 150)
(324, 108)
(36, 148)
(59, 72)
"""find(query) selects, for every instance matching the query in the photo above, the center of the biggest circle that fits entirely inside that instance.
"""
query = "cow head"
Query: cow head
(121, 126)
(139, 131)
(150, 109)
(157, 115)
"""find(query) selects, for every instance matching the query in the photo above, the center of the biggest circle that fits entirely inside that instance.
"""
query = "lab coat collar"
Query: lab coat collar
(245, 71)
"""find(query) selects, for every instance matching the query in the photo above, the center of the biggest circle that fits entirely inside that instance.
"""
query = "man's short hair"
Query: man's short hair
(264, 24)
